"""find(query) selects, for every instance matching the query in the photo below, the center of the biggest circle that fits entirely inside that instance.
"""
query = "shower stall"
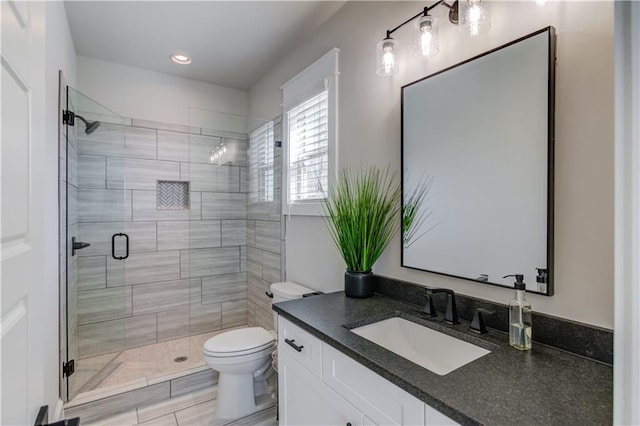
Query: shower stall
(153, 244)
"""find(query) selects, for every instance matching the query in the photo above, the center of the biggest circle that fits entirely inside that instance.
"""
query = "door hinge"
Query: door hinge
(68, 368)
(68, 117)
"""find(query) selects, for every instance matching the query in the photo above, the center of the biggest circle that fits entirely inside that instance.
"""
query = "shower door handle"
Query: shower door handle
(113, 246)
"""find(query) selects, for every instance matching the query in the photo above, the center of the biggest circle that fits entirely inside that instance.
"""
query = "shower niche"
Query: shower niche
(160, 236)
(172, 195)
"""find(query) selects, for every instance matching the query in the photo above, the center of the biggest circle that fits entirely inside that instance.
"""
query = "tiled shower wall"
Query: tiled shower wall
(265, 246)
(186, 271)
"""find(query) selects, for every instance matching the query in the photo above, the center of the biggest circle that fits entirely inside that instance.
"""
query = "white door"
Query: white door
(22, 209)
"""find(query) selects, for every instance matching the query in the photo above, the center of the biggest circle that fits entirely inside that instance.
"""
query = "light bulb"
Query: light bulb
(475, 17)
(425, 42)
(388, 58)
(425, 37)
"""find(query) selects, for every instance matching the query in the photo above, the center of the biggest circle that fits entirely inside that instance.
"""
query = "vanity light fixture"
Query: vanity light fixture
(474, 20)
(218, 153)
(181, 59)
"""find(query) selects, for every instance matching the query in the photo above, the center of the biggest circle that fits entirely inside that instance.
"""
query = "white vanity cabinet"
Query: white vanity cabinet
(305, 400)
(326, 387)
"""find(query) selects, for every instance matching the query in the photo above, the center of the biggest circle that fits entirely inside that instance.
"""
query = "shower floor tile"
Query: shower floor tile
(152, 363)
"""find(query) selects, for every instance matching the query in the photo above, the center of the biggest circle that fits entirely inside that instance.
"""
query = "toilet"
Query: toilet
(243, 360)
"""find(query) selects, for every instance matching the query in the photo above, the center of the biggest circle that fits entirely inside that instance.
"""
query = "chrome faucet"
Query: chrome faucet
(451, 314)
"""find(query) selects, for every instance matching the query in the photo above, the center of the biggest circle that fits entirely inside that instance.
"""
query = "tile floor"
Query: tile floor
(194, 409)
(146, 362)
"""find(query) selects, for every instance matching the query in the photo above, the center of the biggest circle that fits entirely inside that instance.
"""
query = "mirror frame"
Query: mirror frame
(551, 58)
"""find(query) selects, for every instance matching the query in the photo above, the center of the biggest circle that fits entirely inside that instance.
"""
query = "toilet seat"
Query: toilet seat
(229, 360)
(215, 354)
(239, 342)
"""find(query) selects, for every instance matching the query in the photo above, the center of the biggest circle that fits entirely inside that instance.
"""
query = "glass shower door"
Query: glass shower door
(95, 208)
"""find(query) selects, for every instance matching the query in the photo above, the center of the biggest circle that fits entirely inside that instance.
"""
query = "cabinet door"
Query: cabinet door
(305, 400)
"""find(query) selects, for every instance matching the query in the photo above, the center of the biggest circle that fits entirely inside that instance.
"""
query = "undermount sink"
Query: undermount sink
(435, 351)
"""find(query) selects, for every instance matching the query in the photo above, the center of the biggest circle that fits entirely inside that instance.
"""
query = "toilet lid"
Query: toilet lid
(241, 340)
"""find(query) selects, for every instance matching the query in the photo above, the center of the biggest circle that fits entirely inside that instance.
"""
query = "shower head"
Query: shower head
(90, 126)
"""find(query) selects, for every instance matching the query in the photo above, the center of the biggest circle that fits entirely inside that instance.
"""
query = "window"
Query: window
(308, 149)
(310, 130)
(261, 146)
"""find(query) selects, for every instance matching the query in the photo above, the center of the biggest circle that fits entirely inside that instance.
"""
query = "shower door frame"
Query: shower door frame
(62, 284)
(67, 360)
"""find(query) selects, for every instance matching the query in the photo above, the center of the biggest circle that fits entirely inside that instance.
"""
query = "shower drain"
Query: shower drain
(181, 359)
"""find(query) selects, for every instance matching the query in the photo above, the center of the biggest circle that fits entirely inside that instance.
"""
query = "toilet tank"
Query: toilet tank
(284, 291)
(288, 290)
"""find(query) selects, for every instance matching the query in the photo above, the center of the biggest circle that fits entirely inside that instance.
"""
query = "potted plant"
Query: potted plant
(363, 213)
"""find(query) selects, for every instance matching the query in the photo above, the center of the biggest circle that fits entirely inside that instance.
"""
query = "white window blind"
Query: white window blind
(310, 133)
(261, 166)
(308, 149)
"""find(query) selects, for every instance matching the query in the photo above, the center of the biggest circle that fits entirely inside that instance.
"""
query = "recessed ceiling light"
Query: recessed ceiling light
(179, 58)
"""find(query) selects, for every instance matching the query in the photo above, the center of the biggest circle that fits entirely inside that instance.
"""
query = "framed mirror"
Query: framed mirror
(481, 132)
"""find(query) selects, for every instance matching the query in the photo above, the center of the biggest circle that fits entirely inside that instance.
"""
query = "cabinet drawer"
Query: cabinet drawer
(309, 352)
(382, 402)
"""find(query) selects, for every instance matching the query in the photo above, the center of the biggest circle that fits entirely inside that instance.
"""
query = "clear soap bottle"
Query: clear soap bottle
(520, 317)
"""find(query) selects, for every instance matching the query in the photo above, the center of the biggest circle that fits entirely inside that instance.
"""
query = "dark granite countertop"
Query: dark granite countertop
(544, 386)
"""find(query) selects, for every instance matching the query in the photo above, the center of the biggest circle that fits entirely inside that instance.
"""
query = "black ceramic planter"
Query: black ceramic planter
(358, 284)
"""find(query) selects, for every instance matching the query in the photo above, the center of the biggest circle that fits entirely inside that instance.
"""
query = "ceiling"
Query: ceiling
(231, 43)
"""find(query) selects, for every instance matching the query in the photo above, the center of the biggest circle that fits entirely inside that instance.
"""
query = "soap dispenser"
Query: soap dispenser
(519, 317)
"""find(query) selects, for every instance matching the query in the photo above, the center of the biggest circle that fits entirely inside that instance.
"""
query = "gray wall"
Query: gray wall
(186, 272)
(369, 132)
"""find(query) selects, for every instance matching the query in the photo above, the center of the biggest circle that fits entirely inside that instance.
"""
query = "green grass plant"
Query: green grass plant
(363, 209)
(414, 214)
